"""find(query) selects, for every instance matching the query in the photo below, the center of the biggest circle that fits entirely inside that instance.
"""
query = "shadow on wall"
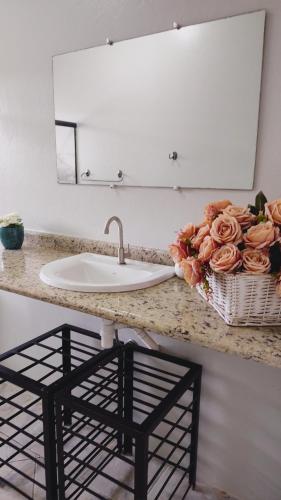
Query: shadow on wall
(240, 434)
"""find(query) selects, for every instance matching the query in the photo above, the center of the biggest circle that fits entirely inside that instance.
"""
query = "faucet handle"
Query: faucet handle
(127, 251)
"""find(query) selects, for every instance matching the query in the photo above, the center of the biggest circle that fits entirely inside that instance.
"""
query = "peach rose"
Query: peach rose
(278, 286)
(273, 211)
(187, 232)
(256, 261)
(226, 259)
(215, 208)
(192, 271)
(177, 252)
(243, 215)
(207, 248)
(226, 229)
(199, 237)
(261, 236)
(277, 235)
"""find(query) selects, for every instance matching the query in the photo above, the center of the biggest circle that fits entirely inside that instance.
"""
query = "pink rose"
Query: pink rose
(207, 248)
(187, 232)
(212, 210)
(226, 229)
(199, 237)
(243, 215)
(226, 259)
(278, 285)
(277, 235)
(261, 236)
(192, 271)
(256, 261)
(177, 252)
(273, 211)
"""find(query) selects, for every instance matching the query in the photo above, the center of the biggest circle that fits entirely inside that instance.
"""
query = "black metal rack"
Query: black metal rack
(134, 427)
(30, 375)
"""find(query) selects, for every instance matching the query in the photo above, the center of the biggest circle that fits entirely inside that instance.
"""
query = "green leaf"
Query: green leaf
(261, 218)
(206, 286)
(253, 209)
(260, 201)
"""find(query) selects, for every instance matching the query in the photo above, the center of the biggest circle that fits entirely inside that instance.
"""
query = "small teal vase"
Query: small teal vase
(12, 237)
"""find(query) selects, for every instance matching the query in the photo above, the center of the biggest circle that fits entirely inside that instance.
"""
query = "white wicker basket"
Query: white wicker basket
(244, 299)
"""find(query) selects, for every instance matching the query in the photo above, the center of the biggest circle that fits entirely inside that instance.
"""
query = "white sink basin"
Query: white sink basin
(88, 272)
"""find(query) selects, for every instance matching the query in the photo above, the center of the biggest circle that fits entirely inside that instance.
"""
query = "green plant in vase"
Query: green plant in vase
(11, 231)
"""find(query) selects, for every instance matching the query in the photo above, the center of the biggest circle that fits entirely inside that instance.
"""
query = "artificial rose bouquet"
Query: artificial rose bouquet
(231, 239)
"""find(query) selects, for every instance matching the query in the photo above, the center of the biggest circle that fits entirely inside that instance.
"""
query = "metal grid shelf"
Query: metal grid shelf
(134, 427)
(30, 375)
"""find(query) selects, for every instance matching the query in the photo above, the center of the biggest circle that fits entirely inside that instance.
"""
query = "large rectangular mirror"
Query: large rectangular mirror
(178, 108)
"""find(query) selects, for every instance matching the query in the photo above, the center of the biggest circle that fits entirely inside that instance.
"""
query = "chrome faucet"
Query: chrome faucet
(121, 252)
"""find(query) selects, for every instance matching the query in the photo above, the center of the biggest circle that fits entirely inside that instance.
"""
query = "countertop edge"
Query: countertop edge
(170, 309)
(134, 323)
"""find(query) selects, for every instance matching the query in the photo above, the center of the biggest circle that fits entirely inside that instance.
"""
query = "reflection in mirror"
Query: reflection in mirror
(66, 151)
(178, 108)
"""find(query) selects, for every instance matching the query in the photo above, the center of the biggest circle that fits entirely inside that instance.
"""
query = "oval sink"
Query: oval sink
(88, 272)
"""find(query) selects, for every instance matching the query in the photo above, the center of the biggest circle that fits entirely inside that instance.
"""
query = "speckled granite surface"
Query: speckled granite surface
(170, 308)
(77, 245)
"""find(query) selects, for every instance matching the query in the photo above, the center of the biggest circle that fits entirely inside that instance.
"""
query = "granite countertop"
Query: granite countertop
(170, 308)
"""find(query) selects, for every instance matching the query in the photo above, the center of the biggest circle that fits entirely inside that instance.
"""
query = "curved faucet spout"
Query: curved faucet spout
(121, 252)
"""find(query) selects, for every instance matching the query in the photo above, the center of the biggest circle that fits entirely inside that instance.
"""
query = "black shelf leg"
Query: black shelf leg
(66, 364)
(128, 396)
(195, 428)
(50, 447)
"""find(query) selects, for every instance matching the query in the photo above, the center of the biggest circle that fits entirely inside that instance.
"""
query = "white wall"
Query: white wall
(241, 413)
(31, 32)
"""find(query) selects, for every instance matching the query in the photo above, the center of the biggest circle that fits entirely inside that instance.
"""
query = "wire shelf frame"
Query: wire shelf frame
(134, 427)
(30, 375)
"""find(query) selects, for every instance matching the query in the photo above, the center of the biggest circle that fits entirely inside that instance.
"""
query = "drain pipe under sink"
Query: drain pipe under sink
(107, 333)
(147, 340)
